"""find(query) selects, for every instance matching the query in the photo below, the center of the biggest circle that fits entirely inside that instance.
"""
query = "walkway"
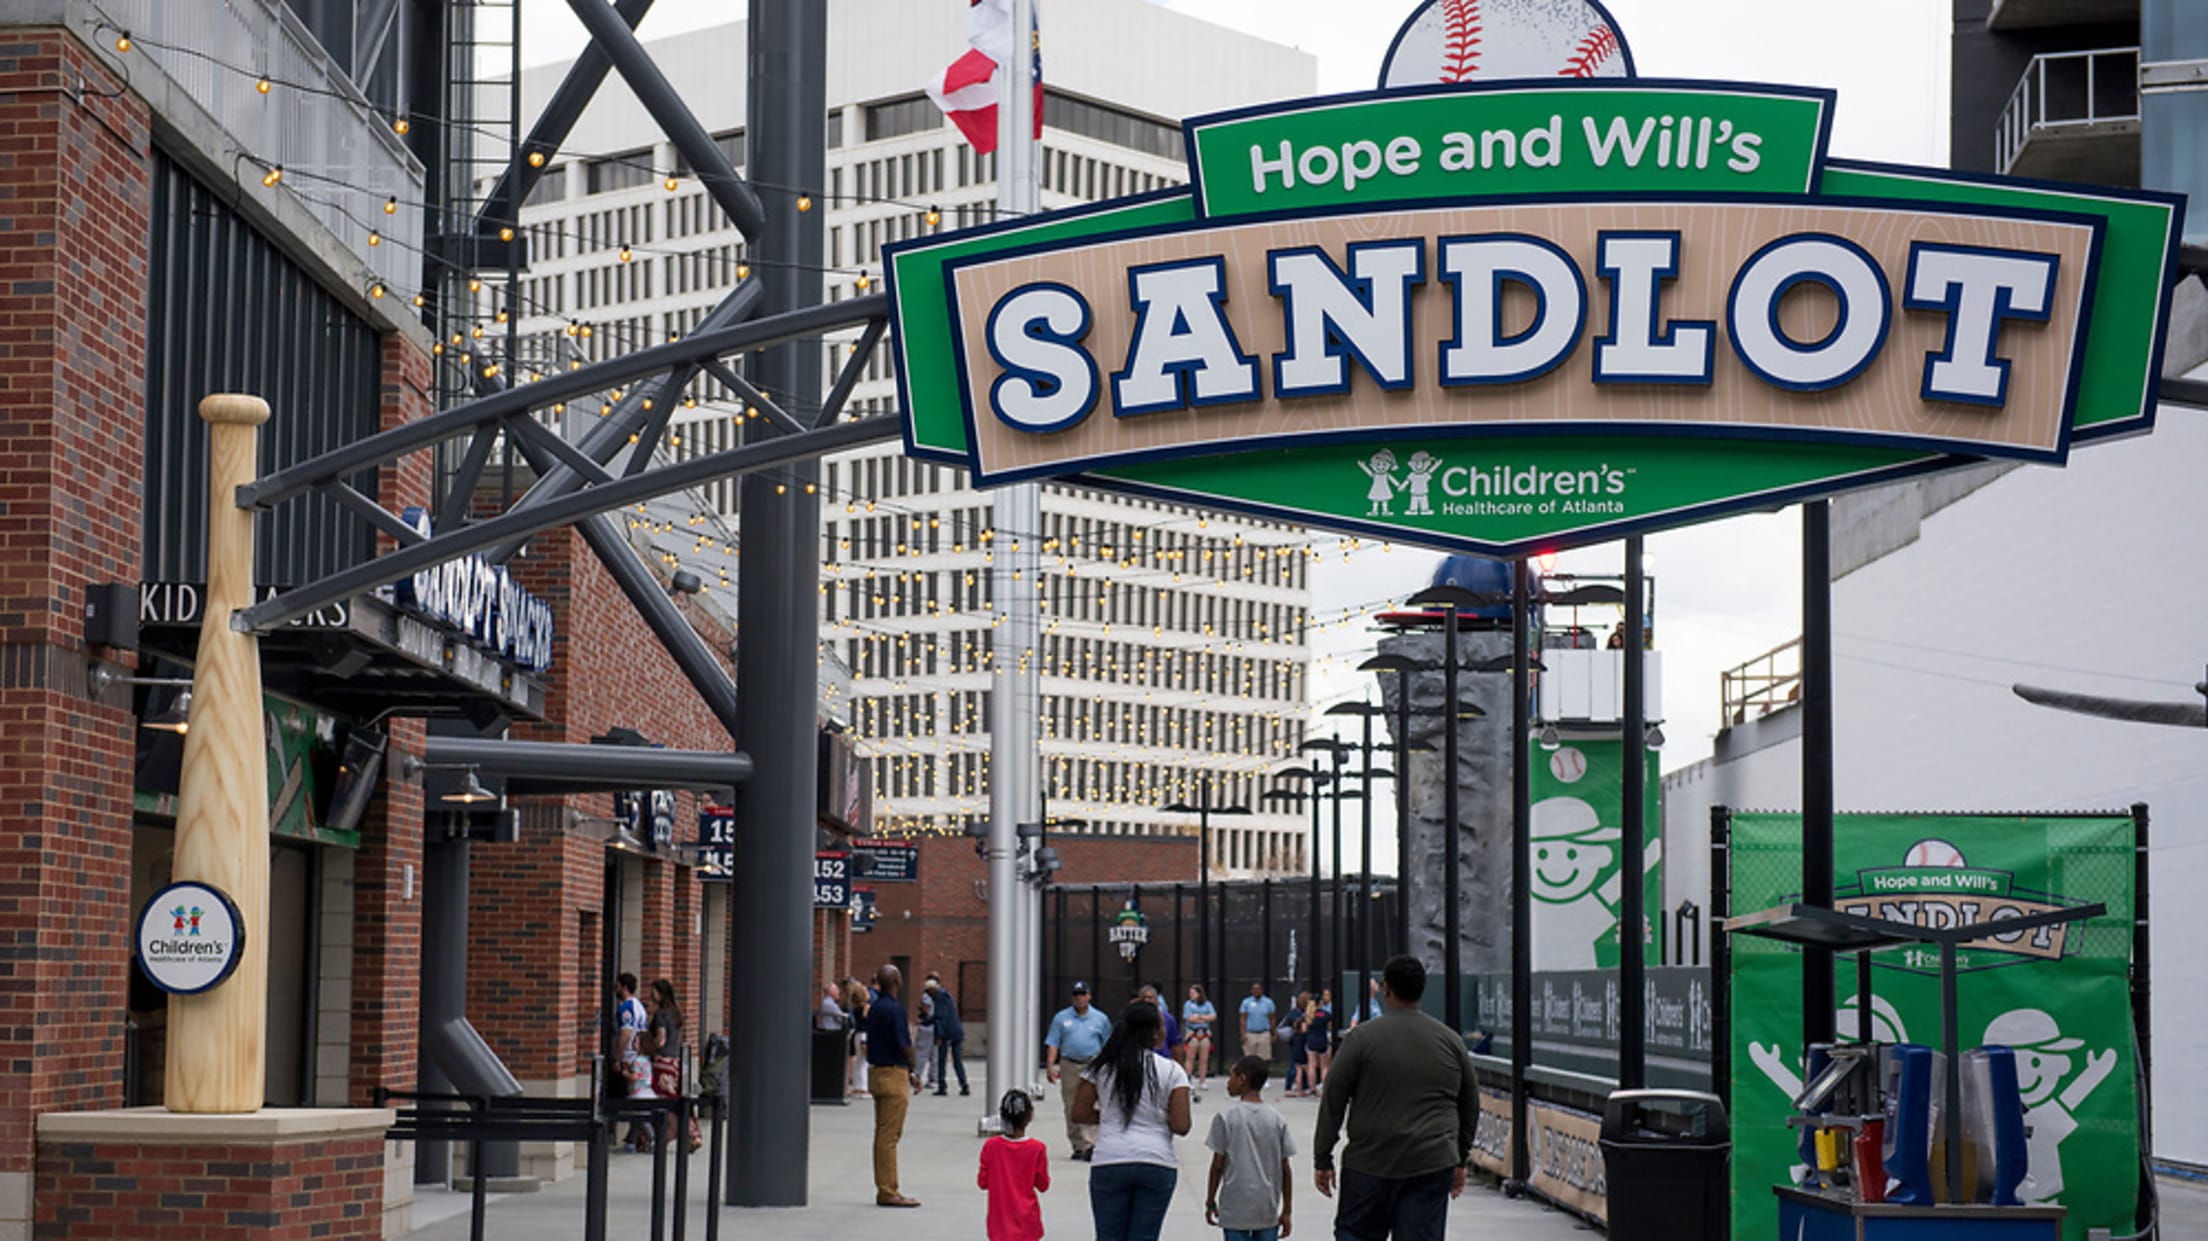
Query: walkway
(937, 1165)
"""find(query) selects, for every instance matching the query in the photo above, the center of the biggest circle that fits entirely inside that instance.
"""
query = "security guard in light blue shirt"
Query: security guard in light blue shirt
(1077, 1033)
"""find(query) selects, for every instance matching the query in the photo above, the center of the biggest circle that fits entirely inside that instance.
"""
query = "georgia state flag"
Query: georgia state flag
(967, 90)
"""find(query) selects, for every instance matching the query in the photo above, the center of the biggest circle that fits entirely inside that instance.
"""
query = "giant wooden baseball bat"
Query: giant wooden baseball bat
(216, 1037)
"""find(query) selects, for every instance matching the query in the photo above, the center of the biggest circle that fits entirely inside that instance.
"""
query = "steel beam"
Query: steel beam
(854, 368)
(778, 616)
(665, 103)
(639, 766)
(1819, 1010)
(520, 523)
(606, 437)
(553, 125)
(696, 660)
(1632, 901)
(387, 446)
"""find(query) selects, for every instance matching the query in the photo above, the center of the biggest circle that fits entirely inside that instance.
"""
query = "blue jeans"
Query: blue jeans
(1129, 1200)
(1253, 1234)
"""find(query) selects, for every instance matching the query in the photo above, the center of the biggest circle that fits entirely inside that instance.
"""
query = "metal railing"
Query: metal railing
(1762, 685)
(2067, 90)
(340, 158)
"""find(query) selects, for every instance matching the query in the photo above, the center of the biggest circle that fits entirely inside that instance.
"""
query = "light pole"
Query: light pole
(1203, 810)
(1366, 773)
(1337, 749)
(1315, 778)
(1402, 666)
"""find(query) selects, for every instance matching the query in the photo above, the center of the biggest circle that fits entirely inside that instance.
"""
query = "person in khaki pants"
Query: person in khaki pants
(890, 1080)
(1076, 1035)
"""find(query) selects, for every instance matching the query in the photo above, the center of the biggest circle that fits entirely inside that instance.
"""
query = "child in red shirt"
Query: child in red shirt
(1014, 1169)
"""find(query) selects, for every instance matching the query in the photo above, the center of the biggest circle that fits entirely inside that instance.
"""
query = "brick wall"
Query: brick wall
(387, 927)
(325, 1189)
(74, 202)
(940, 922)
(534, 906)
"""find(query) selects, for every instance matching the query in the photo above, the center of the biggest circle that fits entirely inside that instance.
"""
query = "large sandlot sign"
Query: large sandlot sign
(1533, 314)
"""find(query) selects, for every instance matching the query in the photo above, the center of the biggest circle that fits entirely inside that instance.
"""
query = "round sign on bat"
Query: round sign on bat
(190, 938)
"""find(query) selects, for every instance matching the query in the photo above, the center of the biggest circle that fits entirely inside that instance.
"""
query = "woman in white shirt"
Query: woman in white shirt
(1139, 1102)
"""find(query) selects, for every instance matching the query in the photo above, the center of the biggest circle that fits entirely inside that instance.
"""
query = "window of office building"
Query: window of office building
(895, 118)
(1114, 125)
(619, 172)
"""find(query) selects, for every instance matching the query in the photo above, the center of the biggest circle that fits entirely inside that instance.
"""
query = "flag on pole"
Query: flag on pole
(967, 90)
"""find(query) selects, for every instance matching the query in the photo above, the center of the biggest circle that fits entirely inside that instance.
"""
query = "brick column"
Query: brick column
(387, 930)
(74, 206)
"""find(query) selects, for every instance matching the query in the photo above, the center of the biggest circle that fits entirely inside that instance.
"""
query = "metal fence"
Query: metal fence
(1223, 935)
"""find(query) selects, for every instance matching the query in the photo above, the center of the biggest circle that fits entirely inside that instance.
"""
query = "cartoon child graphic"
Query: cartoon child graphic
(1381, 495)
(178, 914)
(2042, 1064)
(1423, 466)
(1783, 1065)
(197, 912)
(1576, 886)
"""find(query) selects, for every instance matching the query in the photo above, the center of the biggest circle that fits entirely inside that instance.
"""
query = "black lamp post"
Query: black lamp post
(1203, 810)
(1366, 773)
(1402, 666)
(1315, 779)
(1338, 749)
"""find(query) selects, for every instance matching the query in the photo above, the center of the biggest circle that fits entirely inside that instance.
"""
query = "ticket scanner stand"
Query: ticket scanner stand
(1886, 1128)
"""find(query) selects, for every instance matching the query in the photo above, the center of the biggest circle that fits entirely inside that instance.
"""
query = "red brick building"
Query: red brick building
(940, 922)
(164, 237)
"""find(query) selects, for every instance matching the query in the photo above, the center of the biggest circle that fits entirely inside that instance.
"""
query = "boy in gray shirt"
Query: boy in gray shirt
(1249, 1192)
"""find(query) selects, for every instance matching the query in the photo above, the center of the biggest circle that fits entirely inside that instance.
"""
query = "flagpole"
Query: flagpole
(1013, 915)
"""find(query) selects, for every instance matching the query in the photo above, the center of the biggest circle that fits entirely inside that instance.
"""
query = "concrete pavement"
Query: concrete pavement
(937, 1161)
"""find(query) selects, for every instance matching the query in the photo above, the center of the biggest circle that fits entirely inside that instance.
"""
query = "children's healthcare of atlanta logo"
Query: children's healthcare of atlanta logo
(190, 937)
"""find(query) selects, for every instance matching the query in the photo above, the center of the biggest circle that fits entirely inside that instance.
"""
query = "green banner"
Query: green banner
(1619, 137)
(2060, 997)
(1578, 792)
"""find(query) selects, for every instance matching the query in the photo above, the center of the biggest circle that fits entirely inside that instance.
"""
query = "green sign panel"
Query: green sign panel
(1534, 314)
(2060, 996)
(1578, 794)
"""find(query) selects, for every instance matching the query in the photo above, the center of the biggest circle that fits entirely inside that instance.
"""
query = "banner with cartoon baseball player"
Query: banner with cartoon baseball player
(2060, 995)
(1578, 855)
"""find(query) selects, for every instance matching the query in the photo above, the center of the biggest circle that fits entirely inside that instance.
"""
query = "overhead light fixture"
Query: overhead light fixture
(1655, 736)
(1550, 738)
(470, 792)
(177, 719)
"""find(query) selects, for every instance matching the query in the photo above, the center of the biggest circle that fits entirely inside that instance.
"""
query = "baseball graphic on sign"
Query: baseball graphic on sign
(1489, 40)
(1933, 852)
(1568, 765)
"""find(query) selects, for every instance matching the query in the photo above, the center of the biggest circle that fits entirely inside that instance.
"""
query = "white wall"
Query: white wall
(2089, 579)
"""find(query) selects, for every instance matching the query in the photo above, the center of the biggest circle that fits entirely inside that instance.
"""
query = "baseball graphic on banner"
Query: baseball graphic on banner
(1933, 852)
(1489, 40)
(1568, 765)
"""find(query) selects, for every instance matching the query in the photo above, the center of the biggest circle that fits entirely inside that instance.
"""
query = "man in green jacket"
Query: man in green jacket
(1407, 1088)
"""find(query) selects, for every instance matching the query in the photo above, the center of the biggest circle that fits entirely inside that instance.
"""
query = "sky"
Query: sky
(1726, 591)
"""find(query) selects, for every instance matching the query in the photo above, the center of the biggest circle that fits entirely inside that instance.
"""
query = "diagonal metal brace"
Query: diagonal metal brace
(753, 396)
(553, 125)
(862, 350)
(666, 105)
(387, 446)
(520, 523)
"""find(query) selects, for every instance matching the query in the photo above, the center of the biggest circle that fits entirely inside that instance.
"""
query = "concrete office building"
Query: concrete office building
(1174, 648)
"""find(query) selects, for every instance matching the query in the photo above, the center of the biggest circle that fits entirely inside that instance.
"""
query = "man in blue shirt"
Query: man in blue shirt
(890, 1078)
(950, 1037)
(1257, 1023)
(1077, 1033)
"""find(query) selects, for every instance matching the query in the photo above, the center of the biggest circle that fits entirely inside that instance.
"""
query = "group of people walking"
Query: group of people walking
(1402, 1086)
